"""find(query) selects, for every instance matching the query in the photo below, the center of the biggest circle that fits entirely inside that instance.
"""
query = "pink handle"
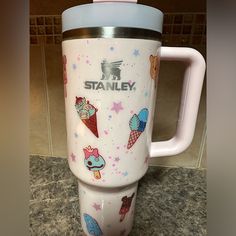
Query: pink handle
(191, 94)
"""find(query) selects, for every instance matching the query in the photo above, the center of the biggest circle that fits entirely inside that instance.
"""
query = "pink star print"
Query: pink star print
(72, 155)
(146, 160)
(97, 207)
(117, 107)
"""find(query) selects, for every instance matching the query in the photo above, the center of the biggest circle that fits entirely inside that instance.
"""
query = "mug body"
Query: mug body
(110, 88)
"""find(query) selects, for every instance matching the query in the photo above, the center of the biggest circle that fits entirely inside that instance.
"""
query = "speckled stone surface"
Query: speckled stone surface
(170, 201)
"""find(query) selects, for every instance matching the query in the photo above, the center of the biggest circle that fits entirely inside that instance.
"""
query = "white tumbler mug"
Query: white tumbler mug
(111, 57)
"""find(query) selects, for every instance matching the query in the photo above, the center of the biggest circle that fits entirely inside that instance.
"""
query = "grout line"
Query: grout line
(47, 15)
(50, 144)
(45, 156)
(202, 168)
(167, 166)
(192, 29)
(201, 149)
(169, 13)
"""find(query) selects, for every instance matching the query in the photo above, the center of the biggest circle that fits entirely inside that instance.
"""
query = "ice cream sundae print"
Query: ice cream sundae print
(92, 225)
(87, 113)
(126, 203)
(94, 161)
(137, 125)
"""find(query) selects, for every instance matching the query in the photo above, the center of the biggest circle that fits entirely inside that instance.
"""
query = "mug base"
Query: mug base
(107, 212)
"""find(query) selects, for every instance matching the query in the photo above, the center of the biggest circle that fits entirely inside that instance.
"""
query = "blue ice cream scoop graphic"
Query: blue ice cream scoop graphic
(143, 116)
(137, 125)
(92, 225)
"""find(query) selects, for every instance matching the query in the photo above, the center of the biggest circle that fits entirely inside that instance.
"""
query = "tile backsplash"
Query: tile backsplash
(46, 27)
(179, 29)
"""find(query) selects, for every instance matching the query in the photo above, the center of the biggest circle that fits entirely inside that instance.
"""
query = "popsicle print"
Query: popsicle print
(126, 203)
(94, 161)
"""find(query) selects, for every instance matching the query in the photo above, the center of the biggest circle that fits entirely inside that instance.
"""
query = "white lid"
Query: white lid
(116, 14)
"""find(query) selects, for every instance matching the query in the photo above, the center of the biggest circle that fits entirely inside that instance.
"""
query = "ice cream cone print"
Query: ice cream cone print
(87, 114)
(137, 125)
(91, 124)
(97, 174)
(134, 135)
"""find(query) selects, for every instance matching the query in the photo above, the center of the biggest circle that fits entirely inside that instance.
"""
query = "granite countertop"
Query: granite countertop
(170, 201)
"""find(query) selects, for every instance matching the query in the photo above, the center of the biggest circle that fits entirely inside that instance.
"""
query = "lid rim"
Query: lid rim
(106, 3)
(116, 14)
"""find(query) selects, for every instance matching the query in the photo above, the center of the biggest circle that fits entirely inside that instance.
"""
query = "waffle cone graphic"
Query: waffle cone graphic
(91, 123)
(134, 135)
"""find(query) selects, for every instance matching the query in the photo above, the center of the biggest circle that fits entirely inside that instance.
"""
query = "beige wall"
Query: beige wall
(56, 7)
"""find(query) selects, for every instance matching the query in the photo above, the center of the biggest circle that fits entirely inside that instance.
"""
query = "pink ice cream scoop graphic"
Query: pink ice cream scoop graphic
(94, 161)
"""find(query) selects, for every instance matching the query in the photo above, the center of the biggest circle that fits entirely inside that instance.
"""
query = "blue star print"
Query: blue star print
(136, 52)
(74, 66)
(125, 173)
